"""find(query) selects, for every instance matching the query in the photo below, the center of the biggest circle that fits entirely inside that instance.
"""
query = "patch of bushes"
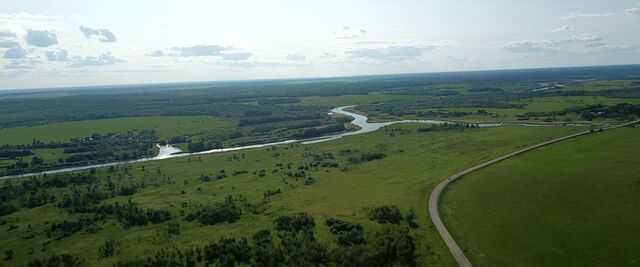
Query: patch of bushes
(225, 211)
(386, 214)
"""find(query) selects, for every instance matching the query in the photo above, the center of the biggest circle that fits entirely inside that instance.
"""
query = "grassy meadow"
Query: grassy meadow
(166, 126)
(576, 203)
(415, 163)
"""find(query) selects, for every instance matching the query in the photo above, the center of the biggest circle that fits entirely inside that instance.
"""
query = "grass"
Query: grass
(575, 203)
(539, 104)
(416, 162)
(601, 85)
(344, 100)
(166, 126)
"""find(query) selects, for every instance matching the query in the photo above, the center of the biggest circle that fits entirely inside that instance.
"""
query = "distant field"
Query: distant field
(344, 100)
(602, 85)
(540, 104)
(576, 203)
(166, 126)
(415, 162)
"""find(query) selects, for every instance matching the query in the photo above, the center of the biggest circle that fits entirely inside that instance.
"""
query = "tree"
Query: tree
(36, 161)
(8, 255)
(108, 249)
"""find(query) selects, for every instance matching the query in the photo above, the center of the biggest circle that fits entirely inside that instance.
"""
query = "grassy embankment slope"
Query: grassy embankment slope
(415, 163)
(575, 203)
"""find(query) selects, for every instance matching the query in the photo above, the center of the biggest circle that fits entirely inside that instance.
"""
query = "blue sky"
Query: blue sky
(76, 43)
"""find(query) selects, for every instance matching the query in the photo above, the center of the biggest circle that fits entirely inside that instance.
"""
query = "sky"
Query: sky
(67, 43)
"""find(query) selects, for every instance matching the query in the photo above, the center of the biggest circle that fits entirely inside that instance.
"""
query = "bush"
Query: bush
(108, 249)
(225, 211)
(65, 260)
(299, 222)
(173, 228)
(386, 214)
(348, 233)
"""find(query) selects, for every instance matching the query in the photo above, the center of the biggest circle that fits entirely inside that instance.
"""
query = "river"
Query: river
(169, 151)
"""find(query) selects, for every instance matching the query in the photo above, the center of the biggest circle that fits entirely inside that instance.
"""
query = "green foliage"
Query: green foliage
(386, 214)
(108, 249)
(55, 260)
(301, 221)
(225, 211)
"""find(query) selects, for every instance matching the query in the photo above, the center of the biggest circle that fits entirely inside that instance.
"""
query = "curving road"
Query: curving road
(456, 251)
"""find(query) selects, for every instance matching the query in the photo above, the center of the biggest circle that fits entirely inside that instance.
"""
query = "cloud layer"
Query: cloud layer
(41, 38)
(104, 59)
(390, 53)
(60, 55)
(15, 53)
(199, 50)
(102, 35)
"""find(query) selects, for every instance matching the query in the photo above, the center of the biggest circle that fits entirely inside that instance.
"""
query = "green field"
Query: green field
(415, 162)
(576, 203)
(166, 126)
(601, 85)
(345, 100)
(537, 104)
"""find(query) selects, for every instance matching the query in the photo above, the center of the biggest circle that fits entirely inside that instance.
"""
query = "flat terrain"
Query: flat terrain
(344, 100)
(536, 104)
(415, 162)
(575, 203)
(166, 126)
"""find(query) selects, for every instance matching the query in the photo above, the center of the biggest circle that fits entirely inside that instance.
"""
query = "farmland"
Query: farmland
(571, 203)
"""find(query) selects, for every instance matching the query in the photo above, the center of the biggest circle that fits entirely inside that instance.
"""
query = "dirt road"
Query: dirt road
(456, 251)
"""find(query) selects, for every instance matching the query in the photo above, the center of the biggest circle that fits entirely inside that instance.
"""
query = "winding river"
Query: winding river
(168, 151)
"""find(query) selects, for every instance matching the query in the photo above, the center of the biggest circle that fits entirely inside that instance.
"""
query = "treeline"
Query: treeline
(623, 111)
(33, 192)
(447, 126)
(318, 131)
(96, 148)
(271, 119)
(293, 243)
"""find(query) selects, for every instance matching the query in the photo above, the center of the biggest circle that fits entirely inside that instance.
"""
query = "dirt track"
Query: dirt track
(456, 251)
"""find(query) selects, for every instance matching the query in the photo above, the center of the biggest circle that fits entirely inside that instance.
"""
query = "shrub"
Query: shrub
(225, 211)
(299, 222)
(386, 214)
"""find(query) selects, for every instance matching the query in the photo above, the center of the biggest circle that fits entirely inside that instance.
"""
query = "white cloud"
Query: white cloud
(102, 35)
(22, 63)
(551, 45)
(156, 53)
(634, 12)
(563, 28)
(619, 49)
(8, 39)
(15, 53)
(59, 55)
(581, 38)
(200, 50)
(7, 34)
(531, 46)
(41, 38)
(104, 59)
(390, 53)
(347, 33)
(578, 15)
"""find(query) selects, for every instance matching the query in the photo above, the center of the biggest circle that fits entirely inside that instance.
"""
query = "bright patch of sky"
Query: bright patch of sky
(75, 43)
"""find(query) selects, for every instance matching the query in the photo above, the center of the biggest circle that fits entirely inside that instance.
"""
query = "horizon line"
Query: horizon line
(97, 86)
